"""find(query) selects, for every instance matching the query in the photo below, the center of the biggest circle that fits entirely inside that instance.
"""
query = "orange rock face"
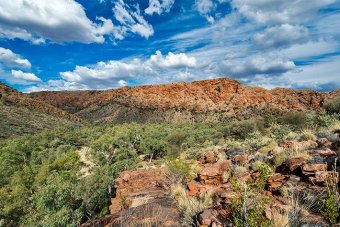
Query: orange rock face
(217, 99)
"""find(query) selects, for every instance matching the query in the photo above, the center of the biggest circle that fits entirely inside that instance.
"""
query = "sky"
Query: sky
(107, 44)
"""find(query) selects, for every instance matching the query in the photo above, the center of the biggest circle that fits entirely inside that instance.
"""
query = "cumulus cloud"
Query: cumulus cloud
(172, 60)
(113, 74)
(280, 36)
(10, 59)
(58, 21)
(104, 73)
(29, 77)
(205, 7)
(257, 65)
(273, 11)
(159, 6)
(131, 20)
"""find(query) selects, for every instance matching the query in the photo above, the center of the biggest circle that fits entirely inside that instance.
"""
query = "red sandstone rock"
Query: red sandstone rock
(314, 167)
(209, 157)
(291, 165)
(241, 160)
(135, 184)
(322, 152)
(323, 142)
(213, 174)
(207, 96)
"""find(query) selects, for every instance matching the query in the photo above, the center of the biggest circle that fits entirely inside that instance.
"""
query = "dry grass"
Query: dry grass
(307, 134)
(301, 205)
(238, 170)
(289, 154)
(190, 206)
(280, 219)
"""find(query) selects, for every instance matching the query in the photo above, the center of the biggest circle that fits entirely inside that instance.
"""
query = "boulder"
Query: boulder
(162, 212)
(209, 157)
(291, 165)
(322, 152)
(323, 142)
(299, 145)
(213, 174)
(241, 160)
(276, 181)
(138, 186)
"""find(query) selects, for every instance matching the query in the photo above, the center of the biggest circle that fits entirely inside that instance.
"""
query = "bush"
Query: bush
(242, 129)
(333, 107)
(183, 170)
(248, 206)
(330, 208)
(325, 120)
(297, 120)
(278, 131)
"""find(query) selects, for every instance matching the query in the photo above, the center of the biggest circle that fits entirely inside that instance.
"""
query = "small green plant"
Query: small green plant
(265, 171)
(268, 147)
(330, 209)
(330, 205)
(248, 206)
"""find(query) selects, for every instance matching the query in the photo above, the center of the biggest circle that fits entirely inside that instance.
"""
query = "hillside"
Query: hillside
(207, 100)
(20, 114)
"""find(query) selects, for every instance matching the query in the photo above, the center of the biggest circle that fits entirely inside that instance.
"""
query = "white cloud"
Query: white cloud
(311, 49)
(113, 74)
(29, 77)
(159, 6)
(172, 60)
(57, 85)
(282, 35)
(104, 73)
(273, 11)
(257, 65)
(11, 59)
(131, 21)
(318, 75)
(58, 21)
(205, 7)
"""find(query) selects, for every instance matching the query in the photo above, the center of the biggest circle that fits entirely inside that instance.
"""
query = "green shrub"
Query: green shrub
(279, 131)
(297, 120)
(326, 120)
(255, 140)
(183, 170)
(242, 129)
(248, 207)
(330, 208)
(333, 107)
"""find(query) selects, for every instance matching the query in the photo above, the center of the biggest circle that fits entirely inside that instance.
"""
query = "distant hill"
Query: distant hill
(200, 101)
(20, 114)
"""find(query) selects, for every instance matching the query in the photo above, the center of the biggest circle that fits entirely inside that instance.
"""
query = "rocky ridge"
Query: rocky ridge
(19, 113)
(207, 100)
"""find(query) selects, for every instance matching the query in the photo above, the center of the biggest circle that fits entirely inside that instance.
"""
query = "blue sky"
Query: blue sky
(104, 44)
